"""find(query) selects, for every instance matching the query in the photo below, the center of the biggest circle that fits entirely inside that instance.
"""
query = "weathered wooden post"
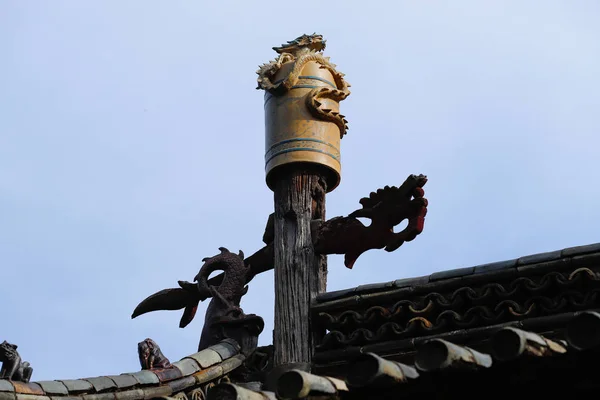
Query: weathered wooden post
(303, 128)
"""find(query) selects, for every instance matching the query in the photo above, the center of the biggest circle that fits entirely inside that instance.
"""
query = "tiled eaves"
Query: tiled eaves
(484, 348)
(195, 369)
(546, 324)
(572, 257)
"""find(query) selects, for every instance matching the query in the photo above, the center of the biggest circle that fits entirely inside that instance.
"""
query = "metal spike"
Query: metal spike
(223, 250)
(241, 254)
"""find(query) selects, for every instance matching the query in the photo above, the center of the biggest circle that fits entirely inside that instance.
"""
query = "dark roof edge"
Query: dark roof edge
(531, 264)
(477, 334)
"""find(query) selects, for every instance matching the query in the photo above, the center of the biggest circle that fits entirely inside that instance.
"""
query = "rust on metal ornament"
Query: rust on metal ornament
(303, 123)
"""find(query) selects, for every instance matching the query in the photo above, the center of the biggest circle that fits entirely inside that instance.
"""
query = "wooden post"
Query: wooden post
(300, 274)
(303, 128)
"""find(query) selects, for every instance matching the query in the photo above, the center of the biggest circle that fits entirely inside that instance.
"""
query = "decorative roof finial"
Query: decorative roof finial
(302, 111)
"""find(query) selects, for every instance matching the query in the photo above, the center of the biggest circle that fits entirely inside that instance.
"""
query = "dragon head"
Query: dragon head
(145, 348)
(7, 350)
(312, 42)
(151, 356)
(223, 261)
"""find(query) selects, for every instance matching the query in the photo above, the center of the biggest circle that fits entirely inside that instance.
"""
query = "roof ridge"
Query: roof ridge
(528, 264)
(195, 369)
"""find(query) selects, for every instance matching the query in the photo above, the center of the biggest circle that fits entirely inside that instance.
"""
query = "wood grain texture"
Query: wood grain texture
(300, 274)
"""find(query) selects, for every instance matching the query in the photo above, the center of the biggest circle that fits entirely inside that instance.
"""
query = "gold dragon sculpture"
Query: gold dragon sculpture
(292, 59)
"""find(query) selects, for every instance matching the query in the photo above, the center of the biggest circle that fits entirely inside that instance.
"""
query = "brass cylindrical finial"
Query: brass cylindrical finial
(303, 123)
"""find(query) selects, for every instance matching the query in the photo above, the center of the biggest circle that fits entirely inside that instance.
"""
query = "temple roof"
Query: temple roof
(192, 371)
(473, 326)
(520, 264)
(512, 361)
(394, 317)
(522, 325)
(515, 361)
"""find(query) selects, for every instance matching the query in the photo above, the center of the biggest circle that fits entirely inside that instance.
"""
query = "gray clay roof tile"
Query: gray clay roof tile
(145, 377)
(53, 387)
(575, 251)
(187, 366)
(101, 383)
(6, 386)
(451, 273)
(540, 257)
(77, 385)
(225, 350)
(207, 358)
(123, 381)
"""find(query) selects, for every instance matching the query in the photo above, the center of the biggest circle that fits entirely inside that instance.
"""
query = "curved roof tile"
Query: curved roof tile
(195, 369)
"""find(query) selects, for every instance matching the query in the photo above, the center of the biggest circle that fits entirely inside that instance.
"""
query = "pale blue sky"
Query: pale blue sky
(131, 146)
